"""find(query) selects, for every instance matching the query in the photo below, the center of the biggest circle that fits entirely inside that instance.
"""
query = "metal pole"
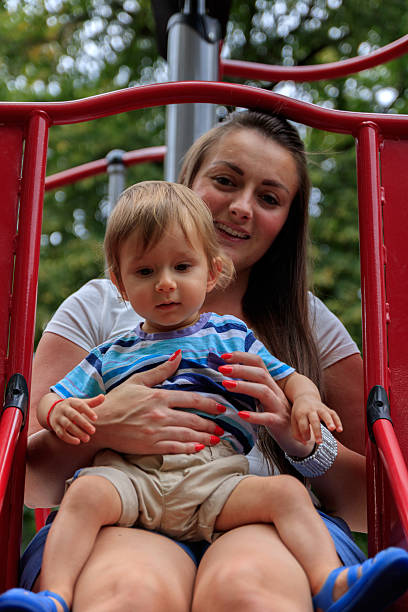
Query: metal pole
(117, 176)
(193, 55)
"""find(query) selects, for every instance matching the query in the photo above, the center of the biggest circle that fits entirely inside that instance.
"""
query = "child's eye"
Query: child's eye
(182, 267)
(144, 271)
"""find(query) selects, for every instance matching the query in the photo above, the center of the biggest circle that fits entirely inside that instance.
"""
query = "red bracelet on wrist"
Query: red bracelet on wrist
(50, 410)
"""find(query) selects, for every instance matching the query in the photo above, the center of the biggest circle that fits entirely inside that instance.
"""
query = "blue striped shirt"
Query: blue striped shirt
(111, 363)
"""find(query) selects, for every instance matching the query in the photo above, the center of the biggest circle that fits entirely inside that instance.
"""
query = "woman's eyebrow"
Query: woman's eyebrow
(238, 170)
(220, 162)
(275, 184)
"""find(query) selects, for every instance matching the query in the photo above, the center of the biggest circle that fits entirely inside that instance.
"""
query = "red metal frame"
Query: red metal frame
(371, 131)
(100, 166)
(334, 70)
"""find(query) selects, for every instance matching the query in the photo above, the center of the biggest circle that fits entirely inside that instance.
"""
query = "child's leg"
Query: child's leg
(285, 502)
(90, 503)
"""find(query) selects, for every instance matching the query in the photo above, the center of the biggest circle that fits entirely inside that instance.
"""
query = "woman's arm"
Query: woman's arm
(342, 489)
(343, 383)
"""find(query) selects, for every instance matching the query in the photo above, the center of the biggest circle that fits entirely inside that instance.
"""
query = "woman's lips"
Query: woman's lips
(230, 231)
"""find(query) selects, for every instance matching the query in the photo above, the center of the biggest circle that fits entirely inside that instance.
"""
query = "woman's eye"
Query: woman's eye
(270, 199)
(223, 180)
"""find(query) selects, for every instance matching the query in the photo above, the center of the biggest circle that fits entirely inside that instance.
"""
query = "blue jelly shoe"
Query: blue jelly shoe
(373, 585)
(26, 601)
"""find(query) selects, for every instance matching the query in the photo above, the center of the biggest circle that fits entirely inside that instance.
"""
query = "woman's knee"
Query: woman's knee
(124, 590)
(132, 570)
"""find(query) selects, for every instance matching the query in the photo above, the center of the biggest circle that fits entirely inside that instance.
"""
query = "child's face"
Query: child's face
(168, 283)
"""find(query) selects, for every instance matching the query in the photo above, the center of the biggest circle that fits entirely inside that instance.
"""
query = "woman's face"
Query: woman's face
(248, 182)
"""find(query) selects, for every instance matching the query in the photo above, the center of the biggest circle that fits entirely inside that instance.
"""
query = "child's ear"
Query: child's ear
(214, 273)
(118, 285)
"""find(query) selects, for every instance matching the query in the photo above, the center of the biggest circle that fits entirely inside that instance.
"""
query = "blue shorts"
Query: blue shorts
(31, 560)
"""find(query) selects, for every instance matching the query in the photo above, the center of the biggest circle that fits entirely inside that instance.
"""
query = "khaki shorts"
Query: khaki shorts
(179, 495)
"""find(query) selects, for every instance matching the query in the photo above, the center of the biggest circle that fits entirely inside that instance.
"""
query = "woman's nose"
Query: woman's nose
(241, 208)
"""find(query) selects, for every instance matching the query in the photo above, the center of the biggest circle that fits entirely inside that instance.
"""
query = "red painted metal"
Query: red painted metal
(100, 166)
(333, 70)
(373, 309)
(94, 107)
(10, 425)
(395, 466)
(22, 319)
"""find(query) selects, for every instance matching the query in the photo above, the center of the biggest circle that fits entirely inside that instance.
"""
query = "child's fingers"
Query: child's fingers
(65, 436)
(301, 424)
(93, 402)
(75, 423)
(81, 407)
(331, 419)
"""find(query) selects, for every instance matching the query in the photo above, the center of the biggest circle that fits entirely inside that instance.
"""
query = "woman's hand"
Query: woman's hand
(259, 384)
(135, 418)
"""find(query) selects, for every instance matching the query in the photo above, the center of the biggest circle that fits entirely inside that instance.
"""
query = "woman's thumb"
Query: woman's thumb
(159, 374)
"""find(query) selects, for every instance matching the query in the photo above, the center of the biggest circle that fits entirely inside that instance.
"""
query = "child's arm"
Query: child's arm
(308, 409)
(69, 418)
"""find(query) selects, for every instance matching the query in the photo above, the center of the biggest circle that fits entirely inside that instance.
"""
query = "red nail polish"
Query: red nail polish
(174, 355)
(219, 430)
(243, 415)
(226, 356)
(225, 369)
(214, 440)
(229, 384)
(220, 408)
(199, 447)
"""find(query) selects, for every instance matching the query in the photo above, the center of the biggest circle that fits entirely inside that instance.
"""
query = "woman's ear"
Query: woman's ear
(118, 285)
(214, 272)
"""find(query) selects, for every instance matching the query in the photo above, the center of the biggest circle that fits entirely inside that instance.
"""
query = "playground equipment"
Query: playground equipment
(381, 141)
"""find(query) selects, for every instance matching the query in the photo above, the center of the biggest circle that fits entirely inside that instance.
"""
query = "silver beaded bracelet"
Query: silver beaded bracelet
(321, 459)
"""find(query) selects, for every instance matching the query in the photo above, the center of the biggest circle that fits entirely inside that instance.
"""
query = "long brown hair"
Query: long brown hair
(276, 302)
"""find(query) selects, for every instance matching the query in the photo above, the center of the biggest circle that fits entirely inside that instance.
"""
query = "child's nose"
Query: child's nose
(165, 283)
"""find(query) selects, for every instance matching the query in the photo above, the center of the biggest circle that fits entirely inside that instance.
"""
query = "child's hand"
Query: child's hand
(307, 413)
(70, 419)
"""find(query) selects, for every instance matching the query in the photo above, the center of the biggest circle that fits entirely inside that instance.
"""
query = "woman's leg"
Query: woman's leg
(90, 503)
(131, 570)
(249, 568)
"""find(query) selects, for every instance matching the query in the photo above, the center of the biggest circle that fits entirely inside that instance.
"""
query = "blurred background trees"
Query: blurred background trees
(68, 49)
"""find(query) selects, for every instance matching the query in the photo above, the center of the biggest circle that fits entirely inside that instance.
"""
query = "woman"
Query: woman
(251, 172)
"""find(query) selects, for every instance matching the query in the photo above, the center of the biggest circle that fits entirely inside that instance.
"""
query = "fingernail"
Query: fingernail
(229, 384)
(219, 430)
(214, 440)
(199, 447)
(220, 407)
(226, 356)
(174, 355)
(226, 369)
(243, 415)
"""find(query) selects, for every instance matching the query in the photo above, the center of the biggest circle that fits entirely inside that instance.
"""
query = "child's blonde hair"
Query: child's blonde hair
(151, 207)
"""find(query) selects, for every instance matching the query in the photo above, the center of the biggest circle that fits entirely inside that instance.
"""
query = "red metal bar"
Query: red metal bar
(334, 70)
(94, 107)
(22, 322)
(373, 312)
(10, 425)
(100, 166)
(395, 466)
(40, 515)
